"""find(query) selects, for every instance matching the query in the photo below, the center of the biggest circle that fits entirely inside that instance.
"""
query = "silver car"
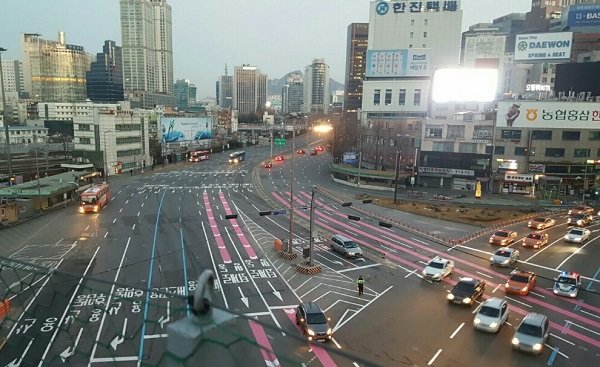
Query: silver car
(577, 235)
(532, 333)
(438, 268)
(491, 315)
(504, 256)
(345, 246)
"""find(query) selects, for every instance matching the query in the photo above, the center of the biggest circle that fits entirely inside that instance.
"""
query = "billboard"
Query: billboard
(525, 114)
(176, 129)
(397, 63)
(407, 6)
(465, 85)
(584, 15)
(543, 46)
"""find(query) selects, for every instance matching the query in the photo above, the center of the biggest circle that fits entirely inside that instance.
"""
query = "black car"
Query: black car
(313, 322)
(466, 291)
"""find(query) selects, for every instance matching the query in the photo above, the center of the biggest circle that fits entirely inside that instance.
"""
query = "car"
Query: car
(312, 321)
(345, 246)
(520, 282)
(300, 151)
(466, 291)
(503, 237)
(268, 164)
(535, 240)
(541, 223)
(579, 220)
(577, 235)
(279, 158)
(532, 333)
(438, 268)
(582, 209)
(313, 151)
(320, 148)
(567, 284)
(504, 256)
(491, 315)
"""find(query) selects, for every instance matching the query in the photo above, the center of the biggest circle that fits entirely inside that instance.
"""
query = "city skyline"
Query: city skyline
(228, 32)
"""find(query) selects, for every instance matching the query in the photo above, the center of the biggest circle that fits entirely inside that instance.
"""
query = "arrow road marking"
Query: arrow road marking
(244, 299)
(275, 292)
(17, 361)
(163, 319)
(71, 350)
(120, 338)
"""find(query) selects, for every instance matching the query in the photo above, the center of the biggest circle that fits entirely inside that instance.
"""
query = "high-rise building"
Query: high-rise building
(316, 87)
(12, 73)
(185, 94)
(356, 59)
(105, 78)
(292, 94)
(146, 33)
(249, 89)
(225, 91)
(54, 71)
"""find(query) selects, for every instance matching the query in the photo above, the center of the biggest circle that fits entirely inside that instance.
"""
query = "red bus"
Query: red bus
(199, 155)
(94, 199)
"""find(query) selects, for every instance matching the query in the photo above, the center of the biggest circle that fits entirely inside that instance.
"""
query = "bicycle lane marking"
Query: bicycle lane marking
(238, 231)
(215, 230)
(319, 352)
(265, 346)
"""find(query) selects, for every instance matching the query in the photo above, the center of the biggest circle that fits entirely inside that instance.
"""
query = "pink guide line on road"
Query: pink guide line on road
(410, 264)
(476, 266)
(238, 231)
(215, 231)
(265, 347)
(321, 353)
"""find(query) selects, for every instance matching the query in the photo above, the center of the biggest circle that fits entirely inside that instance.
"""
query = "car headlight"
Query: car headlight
(505, 261)
(329, 331)
(450, 296)
(537, 346)
(524, 288)
(435, 276)
(580, 222)
(503, 241)
(491, 258)
(540, 226)
(476, 321)
(493, 324)
(424, 273)
(573, 294)
(528, 223)
(515, 341)
(467, 300)
(555, 291)
(311, 332)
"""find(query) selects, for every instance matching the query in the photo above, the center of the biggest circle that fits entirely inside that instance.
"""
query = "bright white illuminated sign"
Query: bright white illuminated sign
(465, 85)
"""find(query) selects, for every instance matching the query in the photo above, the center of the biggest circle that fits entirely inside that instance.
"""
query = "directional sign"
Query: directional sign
(120, 338)
(162, 320)
(279, 212)
(71, 350)
(279, 141)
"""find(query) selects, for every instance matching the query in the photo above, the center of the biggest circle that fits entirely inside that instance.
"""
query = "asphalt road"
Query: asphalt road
(164, 227)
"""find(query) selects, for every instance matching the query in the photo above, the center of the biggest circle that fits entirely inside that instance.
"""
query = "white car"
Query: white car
(578, 235)
(438, 268)
(567, 284)
(491, 315)
(504, 256)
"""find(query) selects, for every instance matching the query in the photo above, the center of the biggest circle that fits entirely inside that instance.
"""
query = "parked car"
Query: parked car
(535, 240)
(520, 282)
(541, 223)
(491, 315)
(504, 256)
(532, 333)
(503, 237)
(345, 246)
(313, 322)
(578, 235)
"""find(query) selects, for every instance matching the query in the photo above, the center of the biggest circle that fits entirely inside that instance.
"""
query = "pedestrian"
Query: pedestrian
(360, 282)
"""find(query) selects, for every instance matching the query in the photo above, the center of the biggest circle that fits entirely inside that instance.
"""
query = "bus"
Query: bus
(94, 199)
(236, 157)
(199, 155)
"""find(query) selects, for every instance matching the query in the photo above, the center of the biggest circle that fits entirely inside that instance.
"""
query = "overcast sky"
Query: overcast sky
(276, 35)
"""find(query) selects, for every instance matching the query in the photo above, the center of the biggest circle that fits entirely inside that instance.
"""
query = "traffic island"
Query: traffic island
(308, 269)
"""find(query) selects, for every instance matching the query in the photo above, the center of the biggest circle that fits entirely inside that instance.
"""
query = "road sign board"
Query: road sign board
(279, 141)
(279, 212)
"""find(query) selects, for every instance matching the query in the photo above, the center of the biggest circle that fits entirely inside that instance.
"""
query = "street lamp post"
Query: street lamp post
(311, 225)
(37, 168)
(6, 118)
(588, 161)
(396, 176)
(105, 156)
(292, 179)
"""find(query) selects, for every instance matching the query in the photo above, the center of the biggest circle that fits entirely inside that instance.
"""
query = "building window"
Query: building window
(520, 151)
(402, 98)
(424, 45)
(581, 153)
(555, 152)
(433, 132)
(410, 46)
(417, 97)
(541, 135)
(84, 127)
(570, 135)
(488, 149)
(377, 97)
(424, 34)
(412, 34)
(443, 146)
(425, 21)
(544, 80)
(412, 22)
(85, 140)
(456, 132)
(511, 134)
(594, 135)
(499, 150)
(388, 97)
(467, 148)
(482, 132)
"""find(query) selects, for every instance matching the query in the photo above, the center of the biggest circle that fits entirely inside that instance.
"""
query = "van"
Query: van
(532, 333)
(345, 246)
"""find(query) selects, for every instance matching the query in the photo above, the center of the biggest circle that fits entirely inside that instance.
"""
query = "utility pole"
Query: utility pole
(6, 118)
(396, 176)
(292, 179)
(310, 240)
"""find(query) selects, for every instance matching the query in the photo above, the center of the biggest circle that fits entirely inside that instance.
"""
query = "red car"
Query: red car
(520, 282)
(268, 164)
(279, 158)
(320, 148)
(300, 151)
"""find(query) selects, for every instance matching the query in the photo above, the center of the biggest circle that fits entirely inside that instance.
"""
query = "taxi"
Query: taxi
(520, 282)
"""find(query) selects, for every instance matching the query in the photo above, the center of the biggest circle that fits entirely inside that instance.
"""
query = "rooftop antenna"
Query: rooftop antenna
(225, 69)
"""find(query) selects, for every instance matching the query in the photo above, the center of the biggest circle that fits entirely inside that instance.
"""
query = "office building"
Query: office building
(12, 73)
(105, 78)
(292, 94)
(316, 87)
(185, 94)
(249, 89)
(356, 58)
(226, 91)
(54, 71)
(146, 33)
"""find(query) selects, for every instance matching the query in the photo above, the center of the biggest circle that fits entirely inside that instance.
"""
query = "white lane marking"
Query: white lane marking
(574, 253)
(495, 289)
(482, 274)
(514, 300)
(457, 330)
(543, 249)
(86, 228)
(358, 268)
(434, 357)
(565, 340)
(106, 234)
(557, 351)
(114, 359)
(133, 227)
(589, 313)
(336, 343)
(584, 328)
(340, 324)
(409, 274)
(114, 220)
(537, 294)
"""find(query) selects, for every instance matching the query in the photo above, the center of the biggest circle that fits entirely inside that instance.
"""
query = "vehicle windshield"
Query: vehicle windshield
(465, 287)
(534, 236)
(539, 219)
(578, 232)
(316, 318)
(501, 234)
(88, 200)
(489, 311)
(519, 278)
(437, 265)
(567, 280)
(530, 330)
(579, 216)
(502, 253)
(350, 244)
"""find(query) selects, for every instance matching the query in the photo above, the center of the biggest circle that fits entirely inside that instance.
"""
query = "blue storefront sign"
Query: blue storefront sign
(584, 15)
